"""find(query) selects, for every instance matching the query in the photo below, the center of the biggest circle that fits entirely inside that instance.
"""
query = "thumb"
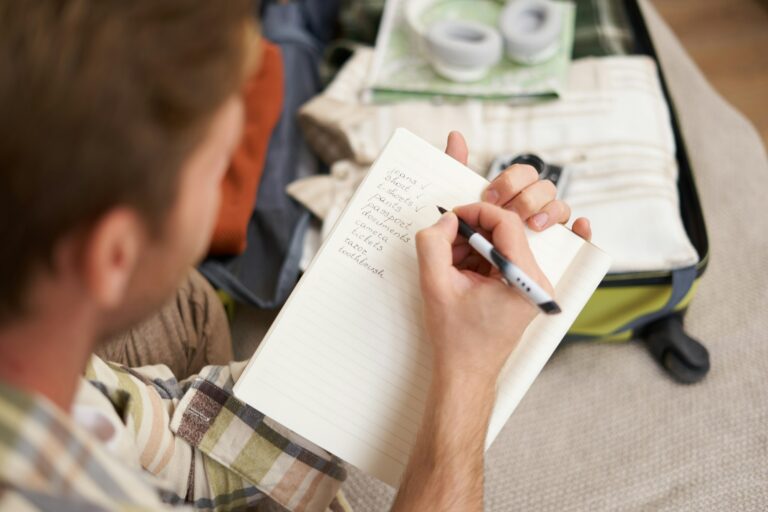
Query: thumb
(434, 246)
(457, 147)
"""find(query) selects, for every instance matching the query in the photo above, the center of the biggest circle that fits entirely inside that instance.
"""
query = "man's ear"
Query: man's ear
(110, 254)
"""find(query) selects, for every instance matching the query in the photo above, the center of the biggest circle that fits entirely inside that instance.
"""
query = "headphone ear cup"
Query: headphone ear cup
(463, 51)
(531, 30)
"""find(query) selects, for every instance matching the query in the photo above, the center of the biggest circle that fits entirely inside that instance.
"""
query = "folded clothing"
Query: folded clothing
(608, 101)
(612, 122)
(325, 196)
(263, 99)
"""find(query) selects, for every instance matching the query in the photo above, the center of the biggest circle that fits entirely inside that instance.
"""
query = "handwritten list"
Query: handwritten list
(385, 216)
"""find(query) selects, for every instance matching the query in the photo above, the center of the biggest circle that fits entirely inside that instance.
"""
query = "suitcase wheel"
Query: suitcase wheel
(684, 358)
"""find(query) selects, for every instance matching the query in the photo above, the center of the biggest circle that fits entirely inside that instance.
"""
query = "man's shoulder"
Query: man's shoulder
(49, 462)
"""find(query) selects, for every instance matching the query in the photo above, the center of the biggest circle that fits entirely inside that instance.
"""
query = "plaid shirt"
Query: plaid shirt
(602, 28)
(164, 444)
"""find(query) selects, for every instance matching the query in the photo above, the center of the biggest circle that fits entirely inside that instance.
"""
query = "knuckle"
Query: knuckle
(526, 201)
(549, 188)
(491, 207)
(555, 207)
(487, 208)
(514, 218)
(508, 180)
(557, 212)
(529, 172)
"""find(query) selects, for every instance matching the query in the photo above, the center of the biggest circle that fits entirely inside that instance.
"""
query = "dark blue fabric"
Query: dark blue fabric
(266, 272)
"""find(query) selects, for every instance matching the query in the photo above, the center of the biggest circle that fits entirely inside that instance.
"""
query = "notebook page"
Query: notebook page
(587, 268)
(346, 364)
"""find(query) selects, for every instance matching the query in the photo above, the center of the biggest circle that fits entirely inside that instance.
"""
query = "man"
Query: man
(119, 119)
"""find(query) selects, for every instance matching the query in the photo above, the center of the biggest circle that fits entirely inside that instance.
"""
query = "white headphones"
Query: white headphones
(464, 51)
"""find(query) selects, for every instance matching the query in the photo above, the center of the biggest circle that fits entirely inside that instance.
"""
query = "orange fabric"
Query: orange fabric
(263, 96)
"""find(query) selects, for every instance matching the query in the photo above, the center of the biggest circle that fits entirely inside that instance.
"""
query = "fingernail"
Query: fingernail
(444, 218)
(540, 220)
(491, 196)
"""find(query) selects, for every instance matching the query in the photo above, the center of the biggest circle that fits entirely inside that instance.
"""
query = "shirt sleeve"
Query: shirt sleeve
(213, 450)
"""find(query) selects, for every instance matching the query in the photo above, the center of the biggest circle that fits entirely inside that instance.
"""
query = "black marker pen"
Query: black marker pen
(513, 275)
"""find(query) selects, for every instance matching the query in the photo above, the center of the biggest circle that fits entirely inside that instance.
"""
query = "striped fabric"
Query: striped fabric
(602, 28)
(140, 440)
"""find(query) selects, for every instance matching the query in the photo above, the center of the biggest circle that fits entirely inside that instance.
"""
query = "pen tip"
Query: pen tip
(550, 308)
(441, 209)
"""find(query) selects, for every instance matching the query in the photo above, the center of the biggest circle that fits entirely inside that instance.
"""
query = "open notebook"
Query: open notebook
(346, 363)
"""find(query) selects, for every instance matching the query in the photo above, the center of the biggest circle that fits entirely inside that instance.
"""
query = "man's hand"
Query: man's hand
(519, 189)
(473, 321)
(472, 318)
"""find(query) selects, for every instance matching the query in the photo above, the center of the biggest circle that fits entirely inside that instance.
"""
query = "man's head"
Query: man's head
(118, 119)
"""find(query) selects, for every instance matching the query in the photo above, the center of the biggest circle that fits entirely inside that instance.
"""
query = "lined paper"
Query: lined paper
(346, 363)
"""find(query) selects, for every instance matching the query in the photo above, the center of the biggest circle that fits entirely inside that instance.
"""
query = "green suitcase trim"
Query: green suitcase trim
(610, 310)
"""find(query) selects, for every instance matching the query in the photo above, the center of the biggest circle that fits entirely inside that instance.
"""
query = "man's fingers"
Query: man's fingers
(582, 228)
(505, 227)
(510, 183)
(532, 199)
(555, 212)
(434, 248)
(457, 147)
(507, 235)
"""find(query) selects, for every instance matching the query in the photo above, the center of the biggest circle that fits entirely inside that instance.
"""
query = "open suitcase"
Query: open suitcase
(650, 306)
